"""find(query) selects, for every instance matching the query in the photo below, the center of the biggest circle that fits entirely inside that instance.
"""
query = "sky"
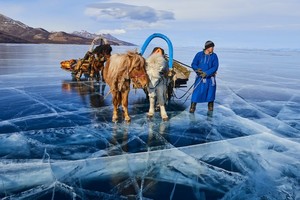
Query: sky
(261, 24)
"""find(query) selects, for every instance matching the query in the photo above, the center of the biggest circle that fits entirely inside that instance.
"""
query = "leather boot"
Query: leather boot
(210, 106)
(193, 107)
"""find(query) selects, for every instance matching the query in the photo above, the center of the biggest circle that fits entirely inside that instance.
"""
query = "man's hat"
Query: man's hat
(209, 44)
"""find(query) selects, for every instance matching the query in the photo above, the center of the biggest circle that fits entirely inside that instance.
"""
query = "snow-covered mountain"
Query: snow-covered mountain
(109, 37)
(12, 31)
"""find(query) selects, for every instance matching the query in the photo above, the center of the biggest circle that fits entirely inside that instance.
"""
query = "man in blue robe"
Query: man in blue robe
(205, 64)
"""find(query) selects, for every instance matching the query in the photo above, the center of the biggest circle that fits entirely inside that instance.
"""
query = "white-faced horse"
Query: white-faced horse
(157, 69)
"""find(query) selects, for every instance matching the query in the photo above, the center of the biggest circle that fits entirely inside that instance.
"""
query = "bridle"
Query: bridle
(138, 76)
(135, 78)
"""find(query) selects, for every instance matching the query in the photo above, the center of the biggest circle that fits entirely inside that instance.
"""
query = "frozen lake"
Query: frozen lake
(57, 140)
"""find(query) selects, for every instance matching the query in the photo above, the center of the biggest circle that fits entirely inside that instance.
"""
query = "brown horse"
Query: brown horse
(100, 55)
(93, 62)
(118, 72)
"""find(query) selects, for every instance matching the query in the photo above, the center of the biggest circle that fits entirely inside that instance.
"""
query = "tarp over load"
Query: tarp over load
(182, 74)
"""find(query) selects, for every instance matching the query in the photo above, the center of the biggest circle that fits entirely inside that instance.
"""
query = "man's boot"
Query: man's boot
(210, 106)
(193, 107)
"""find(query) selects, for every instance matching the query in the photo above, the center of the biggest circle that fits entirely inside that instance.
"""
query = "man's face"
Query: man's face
(209, 50)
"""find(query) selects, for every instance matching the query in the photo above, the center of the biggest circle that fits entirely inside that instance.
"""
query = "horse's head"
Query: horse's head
(100, 55)
(103, 51)
(137, 70)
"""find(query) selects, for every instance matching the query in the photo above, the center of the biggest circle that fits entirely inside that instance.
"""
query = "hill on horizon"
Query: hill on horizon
(12, 31)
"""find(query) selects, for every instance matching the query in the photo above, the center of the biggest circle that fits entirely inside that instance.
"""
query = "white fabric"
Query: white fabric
(156, 65)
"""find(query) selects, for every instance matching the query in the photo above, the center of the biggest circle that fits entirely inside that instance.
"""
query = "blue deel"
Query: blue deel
(205, 90)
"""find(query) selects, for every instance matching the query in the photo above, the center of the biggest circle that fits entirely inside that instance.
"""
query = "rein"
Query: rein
(193, 85)
(157, 83)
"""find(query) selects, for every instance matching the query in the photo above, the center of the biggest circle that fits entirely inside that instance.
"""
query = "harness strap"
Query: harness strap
(138, 76)
(158, 82)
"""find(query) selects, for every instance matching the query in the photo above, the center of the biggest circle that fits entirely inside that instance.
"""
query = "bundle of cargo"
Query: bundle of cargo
(91, 64)
(68, 65)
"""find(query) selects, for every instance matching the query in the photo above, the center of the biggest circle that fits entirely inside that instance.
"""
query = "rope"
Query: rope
(180, 62)
(106, 94)
(188, 91)
(183, 94)
(191, 85)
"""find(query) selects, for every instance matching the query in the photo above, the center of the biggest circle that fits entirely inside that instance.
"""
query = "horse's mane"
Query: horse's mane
(121, 64)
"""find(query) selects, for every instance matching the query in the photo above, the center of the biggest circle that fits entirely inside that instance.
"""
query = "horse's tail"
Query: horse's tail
(104, 72)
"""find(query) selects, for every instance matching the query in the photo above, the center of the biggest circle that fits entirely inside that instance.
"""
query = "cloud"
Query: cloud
(113, 31)
(126, 12)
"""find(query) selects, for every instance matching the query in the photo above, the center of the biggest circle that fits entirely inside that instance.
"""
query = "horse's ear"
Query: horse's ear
(159, 51)
(141, 61)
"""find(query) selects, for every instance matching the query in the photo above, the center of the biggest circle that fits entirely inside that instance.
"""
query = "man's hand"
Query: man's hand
(199, 72)
(203, 74)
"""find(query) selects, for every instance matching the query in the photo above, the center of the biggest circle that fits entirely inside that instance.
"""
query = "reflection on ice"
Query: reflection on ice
(233, 167)
(165, 165)
(57, 140)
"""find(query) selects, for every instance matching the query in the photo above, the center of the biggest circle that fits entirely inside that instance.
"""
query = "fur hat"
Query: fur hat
(208, 44)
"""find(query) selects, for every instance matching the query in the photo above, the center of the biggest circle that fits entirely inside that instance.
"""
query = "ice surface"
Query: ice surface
(57, 140)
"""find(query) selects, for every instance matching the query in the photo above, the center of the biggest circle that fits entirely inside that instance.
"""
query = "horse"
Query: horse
(93, 62)
(118, 73)
(157, 69)
(100, 55)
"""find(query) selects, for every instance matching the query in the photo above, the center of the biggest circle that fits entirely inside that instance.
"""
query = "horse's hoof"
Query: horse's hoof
(149, 115)
(165, 119)
(127, 120)
(114, 120)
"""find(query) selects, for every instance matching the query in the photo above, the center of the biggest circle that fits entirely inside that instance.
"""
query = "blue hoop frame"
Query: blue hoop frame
(159, 35)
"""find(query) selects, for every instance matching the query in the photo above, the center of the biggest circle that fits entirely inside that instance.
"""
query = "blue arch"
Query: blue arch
(170, 46)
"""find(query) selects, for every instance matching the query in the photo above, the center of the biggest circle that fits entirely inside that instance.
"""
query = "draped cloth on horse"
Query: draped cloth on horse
(157, 69)
(205, 89)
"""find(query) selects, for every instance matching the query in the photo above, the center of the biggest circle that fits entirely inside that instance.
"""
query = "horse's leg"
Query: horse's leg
(77, 70)
(91, 71)
(100, 73)
(125, 105)
(97, 76)
(103, 85)
(115, 97)
(161, 90)
(78, 75)
(151, 94)
(163, 113)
